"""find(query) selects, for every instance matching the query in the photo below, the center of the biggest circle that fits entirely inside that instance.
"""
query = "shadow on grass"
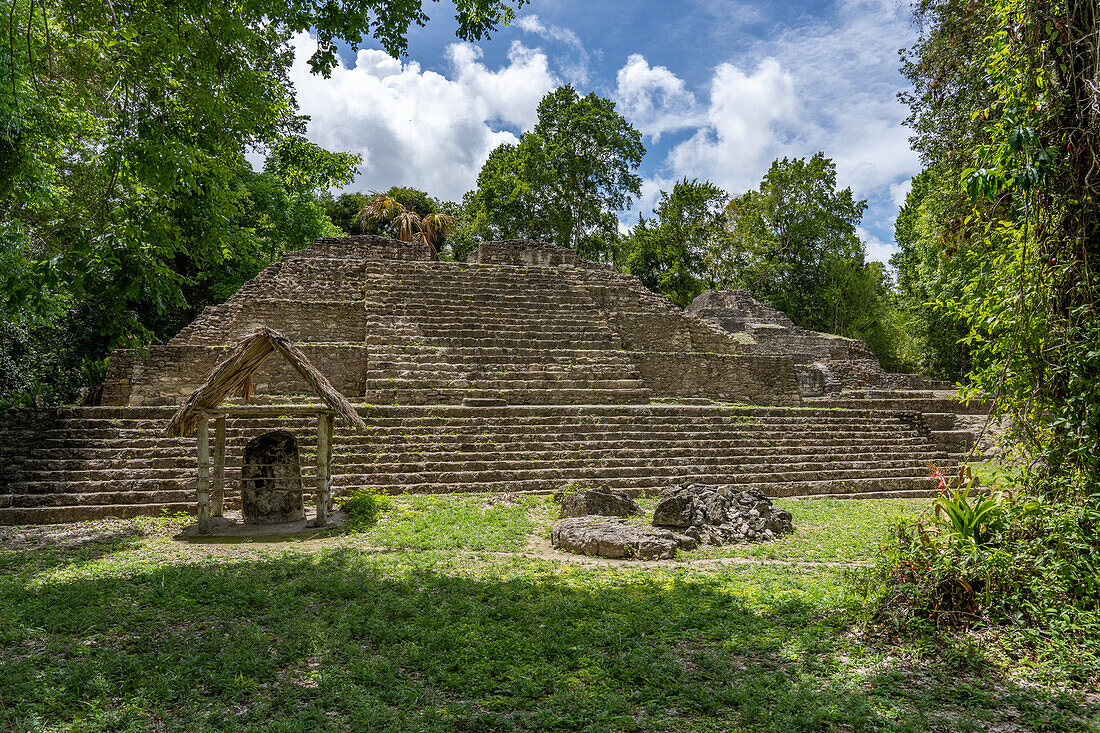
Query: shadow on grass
(350, 641)
(36, 555)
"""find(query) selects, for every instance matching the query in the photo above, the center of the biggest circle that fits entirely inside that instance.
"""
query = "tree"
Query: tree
(794, 244)
(565, 179)
(123, 130)
(678, 253)
(406, 223)
(933, 269)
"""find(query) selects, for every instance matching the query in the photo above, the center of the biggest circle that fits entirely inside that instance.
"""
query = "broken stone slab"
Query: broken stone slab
(719, 515)
(617, 538)
(603, 502)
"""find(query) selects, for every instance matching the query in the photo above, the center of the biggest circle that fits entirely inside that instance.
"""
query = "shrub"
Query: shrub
(363, 507)
(996, 559)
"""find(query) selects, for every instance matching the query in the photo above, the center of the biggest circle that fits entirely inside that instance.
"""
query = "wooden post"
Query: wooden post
(203, 431)
(217, 507)
(325, 423)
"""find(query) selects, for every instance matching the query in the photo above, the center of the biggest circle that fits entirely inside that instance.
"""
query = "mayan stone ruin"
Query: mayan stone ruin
(523, 369)
(595, 521)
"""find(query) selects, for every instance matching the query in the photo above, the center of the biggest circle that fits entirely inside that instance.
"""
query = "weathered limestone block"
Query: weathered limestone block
(271, 480)
(748, 378)
(603, 502)
(721, 514)
(523, 252)
(368, 246)
(617, 538)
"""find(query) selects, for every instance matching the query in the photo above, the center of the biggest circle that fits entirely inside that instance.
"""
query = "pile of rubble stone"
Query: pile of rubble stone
(595, 521)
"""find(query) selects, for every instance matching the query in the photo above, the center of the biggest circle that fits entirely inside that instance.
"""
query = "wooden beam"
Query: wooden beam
(202, 427)
(325, 424)
(217, 507)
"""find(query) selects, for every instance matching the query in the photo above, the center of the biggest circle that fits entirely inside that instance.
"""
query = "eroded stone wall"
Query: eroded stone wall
(386, 323)
(751, 379)
(825, 363)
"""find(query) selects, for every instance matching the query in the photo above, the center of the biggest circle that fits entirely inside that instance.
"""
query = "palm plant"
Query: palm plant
(403, 223)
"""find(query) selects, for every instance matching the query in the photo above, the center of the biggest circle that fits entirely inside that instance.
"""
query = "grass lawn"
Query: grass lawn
(450, 615)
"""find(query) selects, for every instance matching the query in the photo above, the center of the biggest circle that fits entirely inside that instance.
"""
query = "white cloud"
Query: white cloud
(877, 249)
(900, 191)
(821, 85)
(653, 98)
(421, 128)
(574, 66)
(744, 126)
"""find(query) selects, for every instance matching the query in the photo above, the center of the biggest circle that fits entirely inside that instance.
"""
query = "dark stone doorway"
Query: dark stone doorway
(271, 480)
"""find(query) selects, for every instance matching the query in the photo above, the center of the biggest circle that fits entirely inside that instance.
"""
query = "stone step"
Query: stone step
(410, 461)
(704, 415)
(406, 482)
(829, 441)
(93, 498)
(535, 320)
(62, 514)
(83, 458)
(429, 381)
(502, 452)
(839, 489)
(442, 396)
(907, 404)
(474, 338)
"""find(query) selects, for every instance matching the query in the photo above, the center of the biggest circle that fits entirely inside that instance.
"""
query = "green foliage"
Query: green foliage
(307, 167)
(1002, 235)
(1004, 91)
(998, 560)
(678, 253)
(364, 507)
(933, 268)
(793, 244)
(972, 516)
(565, 179)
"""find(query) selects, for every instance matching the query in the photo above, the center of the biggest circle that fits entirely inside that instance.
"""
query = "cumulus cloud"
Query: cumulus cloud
(416, 127)
(574, 65)
(653, 98)
(900, 191)
(823, 85)
(877, 249)
(745, 125)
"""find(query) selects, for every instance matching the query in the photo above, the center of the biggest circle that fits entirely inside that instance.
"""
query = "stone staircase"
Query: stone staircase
(70, 464)
(441, 332)
(962, 430)
(602, 382)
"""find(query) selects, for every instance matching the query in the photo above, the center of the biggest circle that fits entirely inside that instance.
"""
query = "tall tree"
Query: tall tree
(678, 252)
(793, 243)
(566, 178)
(123, 130)
(933, 269)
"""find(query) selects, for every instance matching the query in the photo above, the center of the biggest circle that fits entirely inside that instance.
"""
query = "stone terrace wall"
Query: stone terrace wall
(526, 252)
(164, 375)
(753, 378)
(369, 247)
(826, 363)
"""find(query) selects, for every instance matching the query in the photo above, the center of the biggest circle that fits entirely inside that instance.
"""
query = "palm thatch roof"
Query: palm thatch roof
(233, 376)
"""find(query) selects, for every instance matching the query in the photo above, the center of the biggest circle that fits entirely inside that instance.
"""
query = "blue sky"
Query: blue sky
(719, 89)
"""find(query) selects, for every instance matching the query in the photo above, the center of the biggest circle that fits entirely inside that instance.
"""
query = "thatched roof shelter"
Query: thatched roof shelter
(234, 374)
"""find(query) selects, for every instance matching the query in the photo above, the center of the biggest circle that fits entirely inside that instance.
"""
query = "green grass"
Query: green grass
(433, 621)
(828, 530)
(455, 522)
